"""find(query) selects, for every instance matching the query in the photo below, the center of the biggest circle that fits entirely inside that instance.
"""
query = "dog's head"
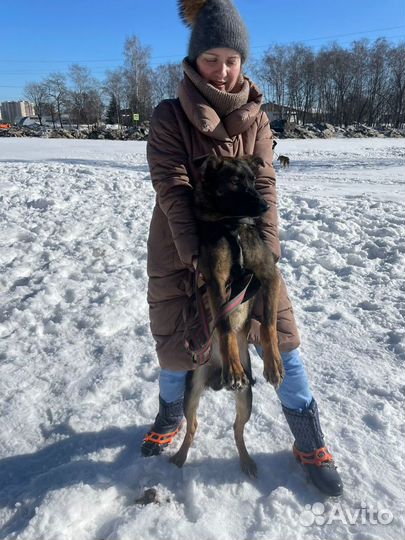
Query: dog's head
(228, 185)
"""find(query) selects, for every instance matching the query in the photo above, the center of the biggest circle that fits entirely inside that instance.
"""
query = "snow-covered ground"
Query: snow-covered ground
(78, 374)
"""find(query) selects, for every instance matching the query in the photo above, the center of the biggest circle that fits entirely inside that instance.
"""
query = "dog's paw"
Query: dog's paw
(249, 467)
(235, 381)
(178, 459)
(274, 374)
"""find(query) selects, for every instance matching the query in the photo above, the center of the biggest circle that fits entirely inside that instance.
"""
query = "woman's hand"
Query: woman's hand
(254, 332)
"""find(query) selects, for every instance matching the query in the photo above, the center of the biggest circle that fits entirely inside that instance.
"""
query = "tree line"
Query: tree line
(364, 83)
(78, 98)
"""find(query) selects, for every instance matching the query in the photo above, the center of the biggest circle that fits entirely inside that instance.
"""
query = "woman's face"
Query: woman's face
(220, 67)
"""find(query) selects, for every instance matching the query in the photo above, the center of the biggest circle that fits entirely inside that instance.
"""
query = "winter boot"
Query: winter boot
(310, 450)
(166, 426)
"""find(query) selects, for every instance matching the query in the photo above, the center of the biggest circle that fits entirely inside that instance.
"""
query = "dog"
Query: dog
(226, 204)
(284, 161)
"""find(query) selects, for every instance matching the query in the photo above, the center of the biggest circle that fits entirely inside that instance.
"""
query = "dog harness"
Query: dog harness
(197, 315)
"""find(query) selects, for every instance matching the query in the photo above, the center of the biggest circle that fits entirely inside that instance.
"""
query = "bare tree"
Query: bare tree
(166, 79)
(255, 67)
(57, 91)
(300, 83)
(50, 110)
(357, 102)
(340, 77)
(138, 77)
(377, 81)
(274, 71)
(114, 87)
(396, 63)
(37, 94)
(80, 77)
(93, 107)
(308, 66)
(84, 97)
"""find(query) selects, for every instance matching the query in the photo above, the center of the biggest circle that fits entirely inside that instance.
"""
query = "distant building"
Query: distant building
(12, 111)
(278, 113)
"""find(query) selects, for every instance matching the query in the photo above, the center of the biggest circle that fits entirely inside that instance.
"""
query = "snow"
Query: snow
(78, 373)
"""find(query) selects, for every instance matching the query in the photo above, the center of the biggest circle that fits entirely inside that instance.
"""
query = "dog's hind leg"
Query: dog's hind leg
(243, 400)
(191, 401)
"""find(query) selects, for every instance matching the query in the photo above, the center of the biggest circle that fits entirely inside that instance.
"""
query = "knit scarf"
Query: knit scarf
(222, 102)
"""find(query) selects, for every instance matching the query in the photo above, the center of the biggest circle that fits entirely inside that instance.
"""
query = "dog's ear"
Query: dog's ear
(208, 164)
(254, 163)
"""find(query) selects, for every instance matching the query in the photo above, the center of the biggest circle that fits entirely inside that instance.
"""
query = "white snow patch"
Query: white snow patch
(78, 373)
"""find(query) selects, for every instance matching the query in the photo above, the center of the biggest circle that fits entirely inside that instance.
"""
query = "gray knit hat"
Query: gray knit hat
(214, 23)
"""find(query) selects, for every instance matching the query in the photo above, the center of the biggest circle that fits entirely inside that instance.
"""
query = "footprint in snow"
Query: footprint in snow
(369, 306)
(70, 296)
(335, 316)
(374, 422)
(40, 204)
(314, 308)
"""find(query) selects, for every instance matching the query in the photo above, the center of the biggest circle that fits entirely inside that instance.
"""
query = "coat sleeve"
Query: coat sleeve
(266, 185)
(167, 163)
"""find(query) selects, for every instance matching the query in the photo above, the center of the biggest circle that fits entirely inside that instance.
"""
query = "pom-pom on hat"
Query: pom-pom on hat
(214, 23)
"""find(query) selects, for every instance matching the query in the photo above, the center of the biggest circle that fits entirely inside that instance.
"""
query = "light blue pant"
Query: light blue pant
(172, 384)
(294, 392)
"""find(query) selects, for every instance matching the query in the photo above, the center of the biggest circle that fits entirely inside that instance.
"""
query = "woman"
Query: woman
(217, 112)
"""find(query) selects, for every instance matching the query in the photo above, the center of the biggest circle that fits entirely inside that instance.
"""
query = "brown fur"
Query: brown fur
(223, 182)
(284, 161)
(189, 10)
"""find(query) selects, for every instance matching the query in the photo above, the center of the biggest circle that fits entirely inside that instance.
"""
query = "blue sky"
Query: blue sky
(42, 36)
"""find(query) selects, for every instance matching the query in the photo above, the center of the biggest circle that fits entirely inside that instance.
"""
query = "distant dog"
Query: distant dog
(226, 203)
(284, 161)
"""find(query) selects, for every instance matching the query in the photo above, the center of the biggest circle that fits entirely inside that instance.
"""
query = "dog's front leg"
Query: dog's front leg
(233, 374)
(273, 365)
